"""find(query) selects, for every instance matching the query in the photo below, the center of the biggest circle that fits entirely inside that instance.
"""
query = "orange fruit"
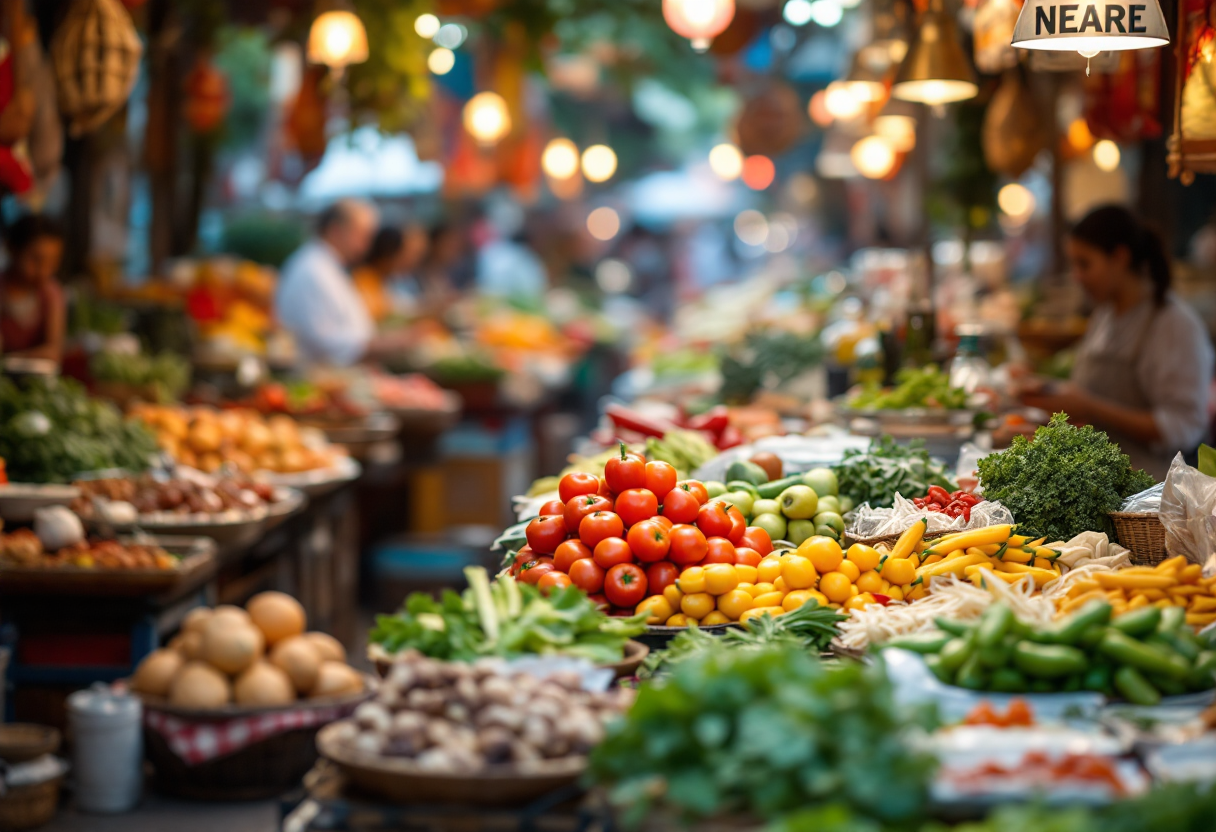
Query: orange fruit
(657, 608)
(713, 618)
(900, 571)
(697, 605)
(769, 569)
(734, 603)
(798, 573)
(720, 578)
(796, 599)
(858, 602)
(835, 587)
(747, 574)
(866, 557)
(869, 582)
(847, 567)
(768, 599)
(823, 553)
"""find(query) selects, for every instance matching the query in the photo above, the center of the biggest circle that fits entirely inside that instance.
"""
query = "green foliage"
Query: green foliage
(529, 623)
(264, 238)
(810, 627)
(915, 387)
(763, 732)
(875, 475)
(767, 359)
(165, 374)
(244, 56)
(51, 431)
(1064, 482)
(394, 82)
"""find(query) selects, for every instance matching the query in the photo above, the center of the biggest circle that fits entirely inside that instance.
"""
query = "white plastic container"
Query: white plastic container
(108, 749)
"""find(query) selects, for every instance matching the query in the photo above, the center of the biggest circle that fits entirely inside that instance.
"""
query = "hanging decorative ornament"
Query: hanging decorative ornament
(994, 22)
(95, 53)
(207, 97)
(337, 39)
(1090, 27)
(771, 120)
(1013, 132)
(935, 70)
(867, 78)
(698, 20)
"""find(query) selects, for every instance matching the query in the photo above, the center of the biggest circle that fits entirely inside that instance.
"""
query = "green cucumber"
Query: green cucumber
(772, 490)
(1048, 661)
(1138, 623)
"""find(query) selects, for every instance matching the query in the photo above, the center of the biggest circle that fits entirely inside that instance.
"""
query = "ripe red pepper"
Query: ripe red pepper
(715, 420)
(939, 495)
(729, 438)
(624, 417)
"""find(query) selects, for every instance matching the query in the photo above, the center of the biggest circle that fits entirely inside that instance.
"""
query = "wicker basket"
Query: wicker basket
(28, 807)
(1142, 533)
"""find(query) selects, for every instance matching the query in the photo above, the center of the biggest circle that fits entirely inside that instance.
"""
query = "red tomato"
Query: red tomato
(576, 483)
(665, 522)
(696, 488)
(587, 575)
(681, 506)
(612, 551)
(605, 491)
(660, 478)
(636, 505)
(746, 557)
(569, 551)
(625, 471)
(649, 541)
(521, 558)
(600, 526)
(625, 585)
(661, 575)
(581, 506)
(553, 580)
(552, 507)
(601, 601)
(713, 521)
(757, 538)
(688, 545)
(545, 533)
(534, 570)
(738, 525)
(719, 550)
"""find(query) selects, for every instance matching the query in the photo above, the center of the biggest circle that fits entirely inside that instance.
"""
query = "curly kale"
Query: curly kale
(1064, 482)
(885, 468)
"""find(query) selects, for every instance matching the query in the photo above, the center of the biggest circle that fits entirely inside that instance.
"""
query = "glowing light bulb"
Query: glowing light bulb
(599, 163)
(426, 26)
(441, 61)
(487, 118)
(726, 161)
(560, 158)
(874, 157)
(1107, 155)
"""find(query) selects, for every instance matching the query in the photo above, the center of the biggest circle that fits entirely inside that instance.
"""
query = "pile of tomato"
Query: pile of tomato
(627, 536)
(957, 504)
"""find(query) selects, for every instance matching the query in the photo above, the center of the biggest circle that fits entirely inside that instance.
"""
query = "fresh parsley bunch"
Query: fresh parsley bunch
(885, 468)
(1064, 482)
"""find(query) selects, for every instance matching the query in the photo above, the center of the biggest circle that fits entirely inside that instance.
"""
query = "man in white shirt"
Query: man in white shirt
(316, 299)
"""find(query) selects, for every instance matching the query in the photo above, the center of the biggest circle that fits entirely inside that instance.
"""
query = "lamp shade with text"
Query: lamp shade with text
(1090, 26)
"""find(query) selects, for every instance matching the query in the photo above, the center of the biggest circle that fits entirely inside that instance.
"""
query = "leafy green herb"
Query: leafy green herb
(810, 627)
(915, 387)
(506, 619)
(876, 474)
(763, 732)
(51, 431)
(1064, 482)
(766, 359)
(166, 375)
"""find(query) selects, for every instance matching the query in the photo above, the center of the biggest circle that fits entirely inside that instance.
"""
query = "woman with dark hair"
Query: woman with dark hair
(32, 306)
(394, 255)
(1144, 368)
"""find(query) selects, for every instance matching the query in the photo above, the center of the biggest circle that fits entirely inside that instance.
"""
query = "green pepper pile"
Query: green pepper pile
(1139, 656)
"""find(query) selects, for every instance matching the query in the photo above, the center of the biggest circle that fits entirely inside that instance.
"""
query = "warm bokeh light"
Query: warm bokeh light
(900, 131)
(839, 100)
(426, 25)
(560, 158)
(698, 20)
(603, 223)
(726, 161)
(486, 117)
(599, 163)
(1016, 201)
(613, 276)
(797, 12)
(337, 40)
(818, 109)
(1107, 155)
(758, 172)
(751, 227)
(441, 61)
(874, 157)
(1079, 135)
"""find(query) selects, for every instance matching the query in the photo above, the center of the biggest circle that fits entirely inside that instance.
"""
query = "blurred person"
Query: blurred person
(316, 299)
(1143, 369)
(32, 306)
(439, 277)
(386, 280)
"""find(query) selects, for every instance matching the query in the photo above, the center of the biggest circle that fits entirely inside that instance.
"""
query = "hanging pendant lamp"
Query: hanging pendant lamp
(1090, 27)
(935, 70)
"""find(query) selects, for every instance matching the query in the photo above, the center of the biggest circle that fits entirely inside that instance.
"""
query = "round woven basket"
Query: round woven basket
(28, 807)
(1142, 533)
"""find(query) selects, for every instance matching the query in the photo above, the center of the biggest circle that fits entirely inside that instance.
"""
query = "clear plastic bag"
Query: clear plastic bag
(1147, 500)
(879, 522)
(1188, 512)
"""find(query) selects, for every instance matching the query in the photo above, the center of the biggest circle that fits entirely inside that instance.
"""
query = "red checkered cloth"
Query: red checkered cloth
(197, 741)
